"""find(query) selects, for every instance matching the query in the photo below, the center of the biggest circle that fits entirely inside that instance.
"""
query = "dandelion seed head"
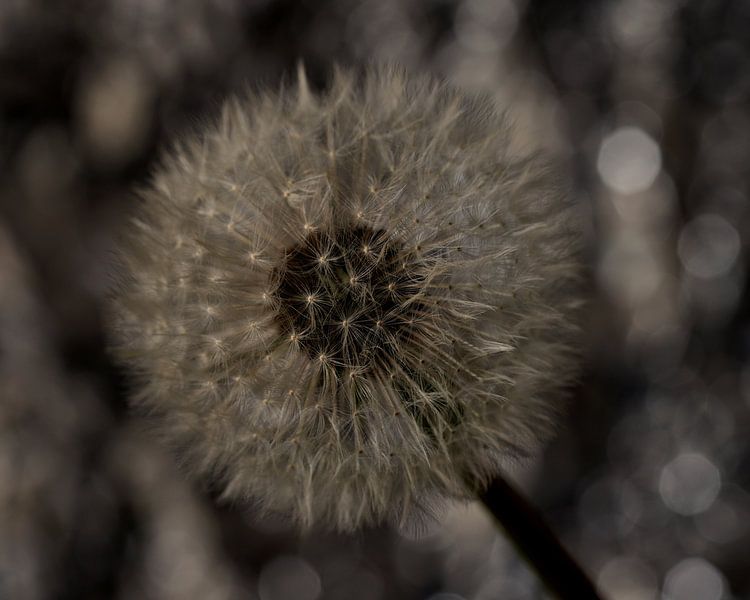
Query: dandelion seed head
(343, 306)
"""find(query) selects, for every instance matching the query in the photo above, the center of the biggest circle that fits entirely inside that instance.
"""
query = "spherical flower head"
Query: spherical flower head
(342, 307)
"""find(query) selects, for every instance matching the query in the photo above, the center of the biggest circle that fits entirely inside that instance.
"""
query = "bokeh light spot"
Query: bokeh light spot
(288, 577)
(689, 484)
(708, 246)
(627, 578)
(629, 160)
(693, 579)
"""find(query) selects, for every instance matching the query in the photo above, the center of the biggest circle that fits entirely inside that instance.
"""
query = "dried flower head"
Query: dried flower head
(342, 306)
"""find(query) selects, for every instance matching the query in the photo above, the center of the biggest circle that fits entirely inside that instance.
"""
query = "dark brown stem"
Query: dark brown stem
(535, 540)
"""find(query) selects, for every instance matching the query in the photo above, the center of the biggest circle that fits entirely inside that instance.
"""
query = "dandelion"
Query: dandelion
(343, 307)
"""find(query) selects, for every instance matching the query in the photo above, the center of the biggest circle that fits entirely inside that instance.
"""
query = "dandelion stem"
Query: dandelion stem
(535, 540)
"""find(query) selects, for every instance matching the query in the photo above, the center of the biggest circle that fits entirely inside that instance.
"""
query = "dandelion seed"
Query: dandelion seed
(408, 324)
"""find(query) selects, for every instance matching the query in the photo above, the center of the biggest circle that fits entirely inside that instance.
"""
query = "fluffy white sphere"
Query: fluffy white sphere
(341, 307)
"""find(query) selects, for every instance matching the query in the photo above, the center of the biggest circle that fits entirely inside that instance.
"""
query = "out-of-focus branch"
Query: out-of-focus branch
(535, 540)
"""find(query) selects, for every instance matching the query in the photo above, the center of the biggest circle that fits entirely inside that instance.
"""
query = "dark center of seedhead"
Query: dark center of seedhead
(349, 296)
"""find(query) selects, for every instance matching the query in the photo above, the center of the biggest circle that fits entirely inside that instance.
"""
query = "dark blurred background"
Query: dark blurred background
(648, 482)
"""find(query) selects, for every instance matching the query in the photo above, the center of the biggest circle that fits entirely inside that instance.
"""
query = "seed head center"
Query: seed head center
(347, 294)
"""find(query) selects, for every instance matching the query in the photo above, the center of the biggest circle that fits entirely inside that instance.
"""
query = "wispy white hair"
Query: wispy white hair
(342, 307)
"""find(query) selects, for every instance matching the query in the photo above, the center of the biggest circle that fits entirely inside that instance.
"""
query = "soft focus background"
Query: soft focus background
(648, 483)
